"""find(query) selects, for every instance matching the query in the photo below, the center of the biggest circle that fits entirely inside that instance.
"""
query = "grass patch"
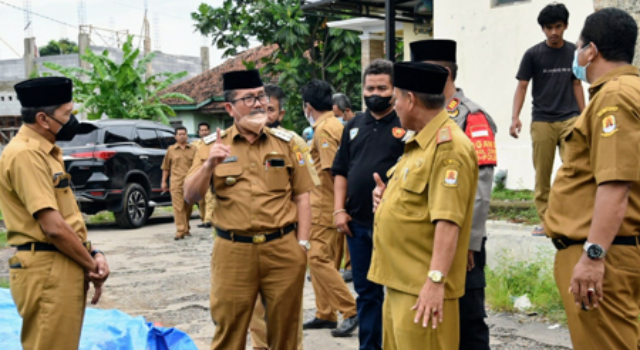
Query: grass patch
(101, 217)
(3, 238)
(4, 283)
(165, 209)
(527, 215)
(501, 193)
(1, 217)
(512, 279)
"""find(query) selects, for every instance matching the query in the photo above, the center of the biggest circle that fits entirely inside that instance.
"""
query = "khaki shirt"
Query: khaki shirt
(33, 178)
(602, 147)
(251, 197)
(303, 155)
(178, 162)
(197, 143)
(435, 179)
(327, 134)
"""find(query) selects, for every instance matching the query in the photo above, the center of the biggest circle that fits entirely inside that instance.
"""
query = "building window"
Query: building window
(2, 98)
(175, 123)
(10, 98)
(507, 2)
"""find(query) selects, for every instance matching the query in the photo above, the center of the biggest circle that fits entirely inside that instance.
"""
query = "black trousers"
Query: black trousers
(474, 332)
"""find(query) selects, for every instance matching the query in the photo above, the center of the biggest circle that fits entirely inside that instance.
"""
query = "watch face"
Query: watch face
(595, 251)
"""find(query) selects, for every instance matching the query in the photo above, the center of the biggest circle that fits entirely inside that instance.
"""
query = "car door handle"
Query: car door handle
(144, 157)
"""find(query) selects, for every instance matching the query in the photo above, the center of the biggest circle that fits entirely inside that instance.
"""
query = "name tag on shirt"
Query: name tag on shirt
(230, 159)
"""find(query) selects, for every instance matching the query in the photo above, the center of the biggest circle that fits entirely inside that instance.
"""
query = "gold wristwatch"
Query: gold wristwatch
(436, 276)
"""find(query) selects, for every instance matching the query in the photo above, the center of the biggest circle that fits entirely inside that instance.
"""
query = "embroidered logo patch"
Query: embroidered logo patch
(609, 126)
(325, 144)
(353, 133)
(398, 132)
(300, 158)
(451, 178)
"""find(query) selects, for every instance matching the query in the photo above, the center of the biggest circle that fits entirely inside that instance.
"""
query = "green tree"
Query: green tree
(306, 47)
(120, 91)
(61, 47)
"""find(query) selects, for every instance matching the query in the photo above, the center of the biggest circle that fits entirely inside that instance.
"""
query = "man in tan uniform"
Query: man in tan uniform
(423, 222)
(44, 223)
(262, 219)
(332, 293)
(594, 205)
(177, 162)
(205, 206)
(275, 114)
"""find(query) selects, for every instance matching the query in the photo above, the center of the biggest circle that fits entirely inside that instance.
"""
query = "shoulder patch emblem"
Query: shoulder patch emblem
(444, 135)
(408, 135)
(609, 126)
(211, 138)
(451, 178)
(325, 143)
(398, 132)
(353, 133)
(606, 110)
(453, 105)
(300, 158)
(283, 135)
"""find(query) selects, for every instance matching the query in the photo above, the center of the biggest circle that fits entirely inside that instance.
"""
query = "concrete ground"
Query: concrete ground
(168, 282)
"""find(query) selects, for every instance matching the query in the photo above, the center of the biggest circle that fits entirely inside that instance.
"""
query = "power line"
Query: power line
(38, 15)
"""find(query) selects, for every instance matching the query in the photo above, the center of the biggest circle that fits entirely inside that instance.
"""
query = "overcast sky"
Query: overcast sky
(176, 29)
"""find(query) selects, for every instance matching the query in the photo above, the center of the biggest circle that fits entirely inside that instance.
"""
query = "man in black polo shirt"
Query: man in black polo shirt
(371, 143)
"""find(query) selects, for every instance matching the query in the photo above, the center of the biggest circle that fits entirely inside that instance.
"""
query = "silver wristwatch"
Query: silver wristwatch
(305, 243)
(594, 251)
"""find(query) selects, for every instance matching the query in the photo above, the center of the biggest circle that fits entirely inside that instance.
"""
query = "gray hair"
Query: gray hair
(342, 101)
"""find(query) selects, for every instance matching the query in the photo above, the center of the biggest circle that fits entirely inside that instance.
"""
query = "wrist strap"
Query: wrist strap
(96, 252)
(339, 211)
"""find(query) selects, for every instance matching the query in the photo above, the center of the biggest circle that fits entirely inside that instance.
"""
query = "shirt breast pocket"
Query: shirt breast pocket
(65, 198)
(277, 169)
(226, 178)
(413, 196)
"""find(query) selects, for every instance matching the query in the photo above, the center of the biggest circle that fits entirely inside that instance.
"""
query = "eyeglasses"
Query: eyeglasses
(250, 101)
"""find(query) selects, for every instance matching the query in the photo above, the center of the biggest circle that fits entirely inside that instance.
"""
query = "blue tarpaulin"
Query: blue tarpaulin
(102, 330)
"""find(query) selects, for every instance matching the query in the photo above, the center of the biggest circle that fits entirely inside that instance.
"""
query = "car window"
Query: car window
(118, 134)
(168, 138)
(148, 138)
(81, 140)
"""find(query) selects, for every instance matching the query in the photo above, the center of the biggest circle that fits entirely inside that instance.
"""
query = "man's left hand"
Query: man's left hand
(586, 282)
(430, 304)
(471, 262)
(103, 269)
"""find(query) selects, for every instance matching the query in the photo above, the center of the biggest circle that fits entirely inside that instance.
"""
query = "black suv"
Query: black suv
(116, 167)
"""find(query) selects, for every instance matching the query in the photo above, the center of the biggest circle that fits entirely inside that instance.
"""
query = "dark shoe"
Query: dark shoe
(207, 225)
(317, 323)
(347, 276)
(202, 225)
(346, 328)
(309, 277)
(177, 238)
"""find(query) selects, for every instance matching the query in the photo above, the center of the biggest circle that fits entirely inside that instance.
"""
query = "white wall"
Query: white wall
(491, 42)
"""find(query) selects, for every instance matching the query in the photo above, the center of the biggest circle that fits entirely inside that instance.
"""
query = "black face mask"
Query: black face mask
(377, 104)
(274, 124)
(68, 130)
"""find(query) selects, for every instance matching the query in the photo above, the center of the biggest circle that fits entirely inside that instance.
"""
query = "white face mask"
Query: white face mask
(252, 122)
(309, 117)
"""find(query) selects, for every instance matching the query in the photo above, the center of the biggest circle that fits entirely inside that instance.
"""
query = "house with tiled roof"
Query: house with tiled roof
(206, 91)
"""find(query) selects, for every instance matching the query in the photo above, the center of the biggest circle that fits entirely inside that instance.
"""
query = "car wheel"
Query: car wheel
(135, 207)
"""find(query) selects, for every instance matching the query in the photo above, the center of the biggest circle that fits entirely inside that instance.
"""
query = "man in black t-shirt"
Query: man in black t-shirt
(371, 143)
(558, 98)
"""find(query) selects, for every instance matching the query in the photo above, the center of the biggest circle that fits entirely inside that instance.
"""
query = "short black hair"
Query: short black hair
(378, 67)
(453, 66)
(614, 32)
(342, 101)
(29, 113)
(429, 101)
(229, 95)
(274, 91)
(318, 94)
(178, 128)
(553, 13)
(204, 124)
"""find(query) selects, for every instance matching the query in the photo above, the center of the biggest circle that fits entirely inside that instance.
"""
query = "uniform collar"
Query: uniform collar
(612, 75)
(176, 146)
(428, 133)
(386, 119)
(235, 133)
(43, 143)
(322, 118)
